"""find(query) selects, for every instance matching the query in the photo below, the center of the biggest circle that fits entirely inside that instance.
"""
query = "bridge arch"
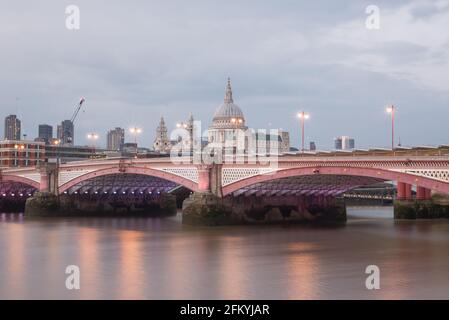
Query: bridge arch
(382, 174)
(19, 179)
(189, 184)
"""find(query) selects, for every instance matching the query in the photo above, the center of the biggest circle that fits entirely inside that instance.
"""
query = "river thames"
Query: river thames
(159, 258)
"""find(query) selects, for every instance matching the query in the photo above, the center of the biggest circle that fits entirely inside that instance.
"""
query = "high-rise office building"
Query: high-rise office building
(344, 143)
(12, 127)
(66, 133)
(116, 139)
(338, 143)
(312, 146)
(45, 133)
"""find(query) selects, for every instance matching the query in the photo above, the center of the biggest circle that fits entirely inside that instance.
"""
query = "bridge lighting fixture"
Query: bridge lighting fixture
(392, 110)
(302, 117)
(135, 131)
(92, 136)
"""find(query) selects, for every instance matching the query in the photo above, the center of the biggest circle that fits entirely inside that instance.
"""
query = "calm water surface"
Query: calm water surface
(154, 258)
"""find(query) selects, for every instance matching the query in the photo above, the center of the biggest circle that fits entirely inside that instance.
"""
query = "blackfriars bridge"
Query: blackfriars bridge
(318, 176)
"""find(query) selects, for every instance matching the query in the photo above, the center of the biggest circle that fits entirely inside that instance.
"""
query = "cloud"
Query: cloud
(412, 44)
(135, 62)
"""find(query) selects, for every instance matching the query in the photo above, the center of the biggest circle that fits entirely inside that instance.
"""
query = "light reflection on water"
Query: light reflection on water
(155, 258)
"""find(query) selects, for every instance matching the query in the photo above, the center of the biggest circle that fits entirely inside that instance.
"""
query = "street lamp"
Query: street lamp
(18, 148)
(93, 137)
(391, 110)
(135, 131)
(56, 143)
(302, 117)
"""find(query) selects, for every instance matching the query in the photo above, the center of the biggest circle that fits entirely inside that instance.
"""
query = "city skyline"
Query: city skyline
(232, 157)
(298, 59)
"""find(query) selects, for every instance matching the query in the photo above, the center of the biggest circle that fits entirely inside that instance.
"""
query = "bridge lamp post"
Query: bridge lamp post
(93, 137)
(302, 117)
(391, 110)
(56, 143)
(135, 131)
(18, 148)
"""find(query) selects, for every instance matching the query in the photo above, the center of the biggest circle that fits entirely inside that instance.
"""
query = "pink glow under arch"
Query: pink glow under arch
(131, 170)
(18, 179)
(386, 175)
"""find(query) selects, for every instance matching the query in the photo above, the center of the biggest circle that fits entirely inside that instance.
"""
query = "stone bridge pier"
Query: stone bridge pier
(48, 200)
(215, 204)
(210, 206)
(49, 178)
(420, 206)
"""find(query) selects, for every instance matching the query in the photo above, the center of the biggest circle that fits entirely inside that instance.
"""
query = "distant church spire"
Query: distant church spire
(228, 96)
(161, 142)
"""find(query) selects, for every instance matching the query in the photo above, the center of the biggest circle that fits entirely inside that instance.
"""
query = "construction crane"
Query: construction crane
(67, 133)
(77, 110)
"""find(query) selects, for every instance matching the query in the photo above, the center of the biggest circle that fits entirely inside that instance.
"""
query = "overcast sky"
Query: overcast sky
(135, 61)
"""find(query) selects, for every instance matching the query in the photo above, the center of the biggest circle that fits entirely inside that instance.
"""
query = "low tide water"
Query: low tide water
(159, 258)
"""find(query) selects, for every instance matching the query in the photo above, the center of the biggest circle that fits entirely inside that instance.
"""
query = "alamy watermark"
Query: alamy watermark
(72, 20)
(72, 281)
(226, 146)
(372, 282)
(372, 21)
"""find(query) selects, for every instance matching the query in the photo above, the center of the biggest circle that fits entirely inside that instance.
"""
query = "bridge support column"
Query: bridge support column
(408, 191)
(422, 207)
(428, 194)
(207, 206)
(46, 201)
(400, 195)
(49, 178)
(404, 191)
(423, 193)
(45, 181)
(204, 178)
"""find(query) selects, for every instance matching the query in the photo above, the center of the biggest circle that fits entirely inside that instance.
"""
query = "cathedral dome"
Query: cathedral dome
(228, 114)
(228, 110)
